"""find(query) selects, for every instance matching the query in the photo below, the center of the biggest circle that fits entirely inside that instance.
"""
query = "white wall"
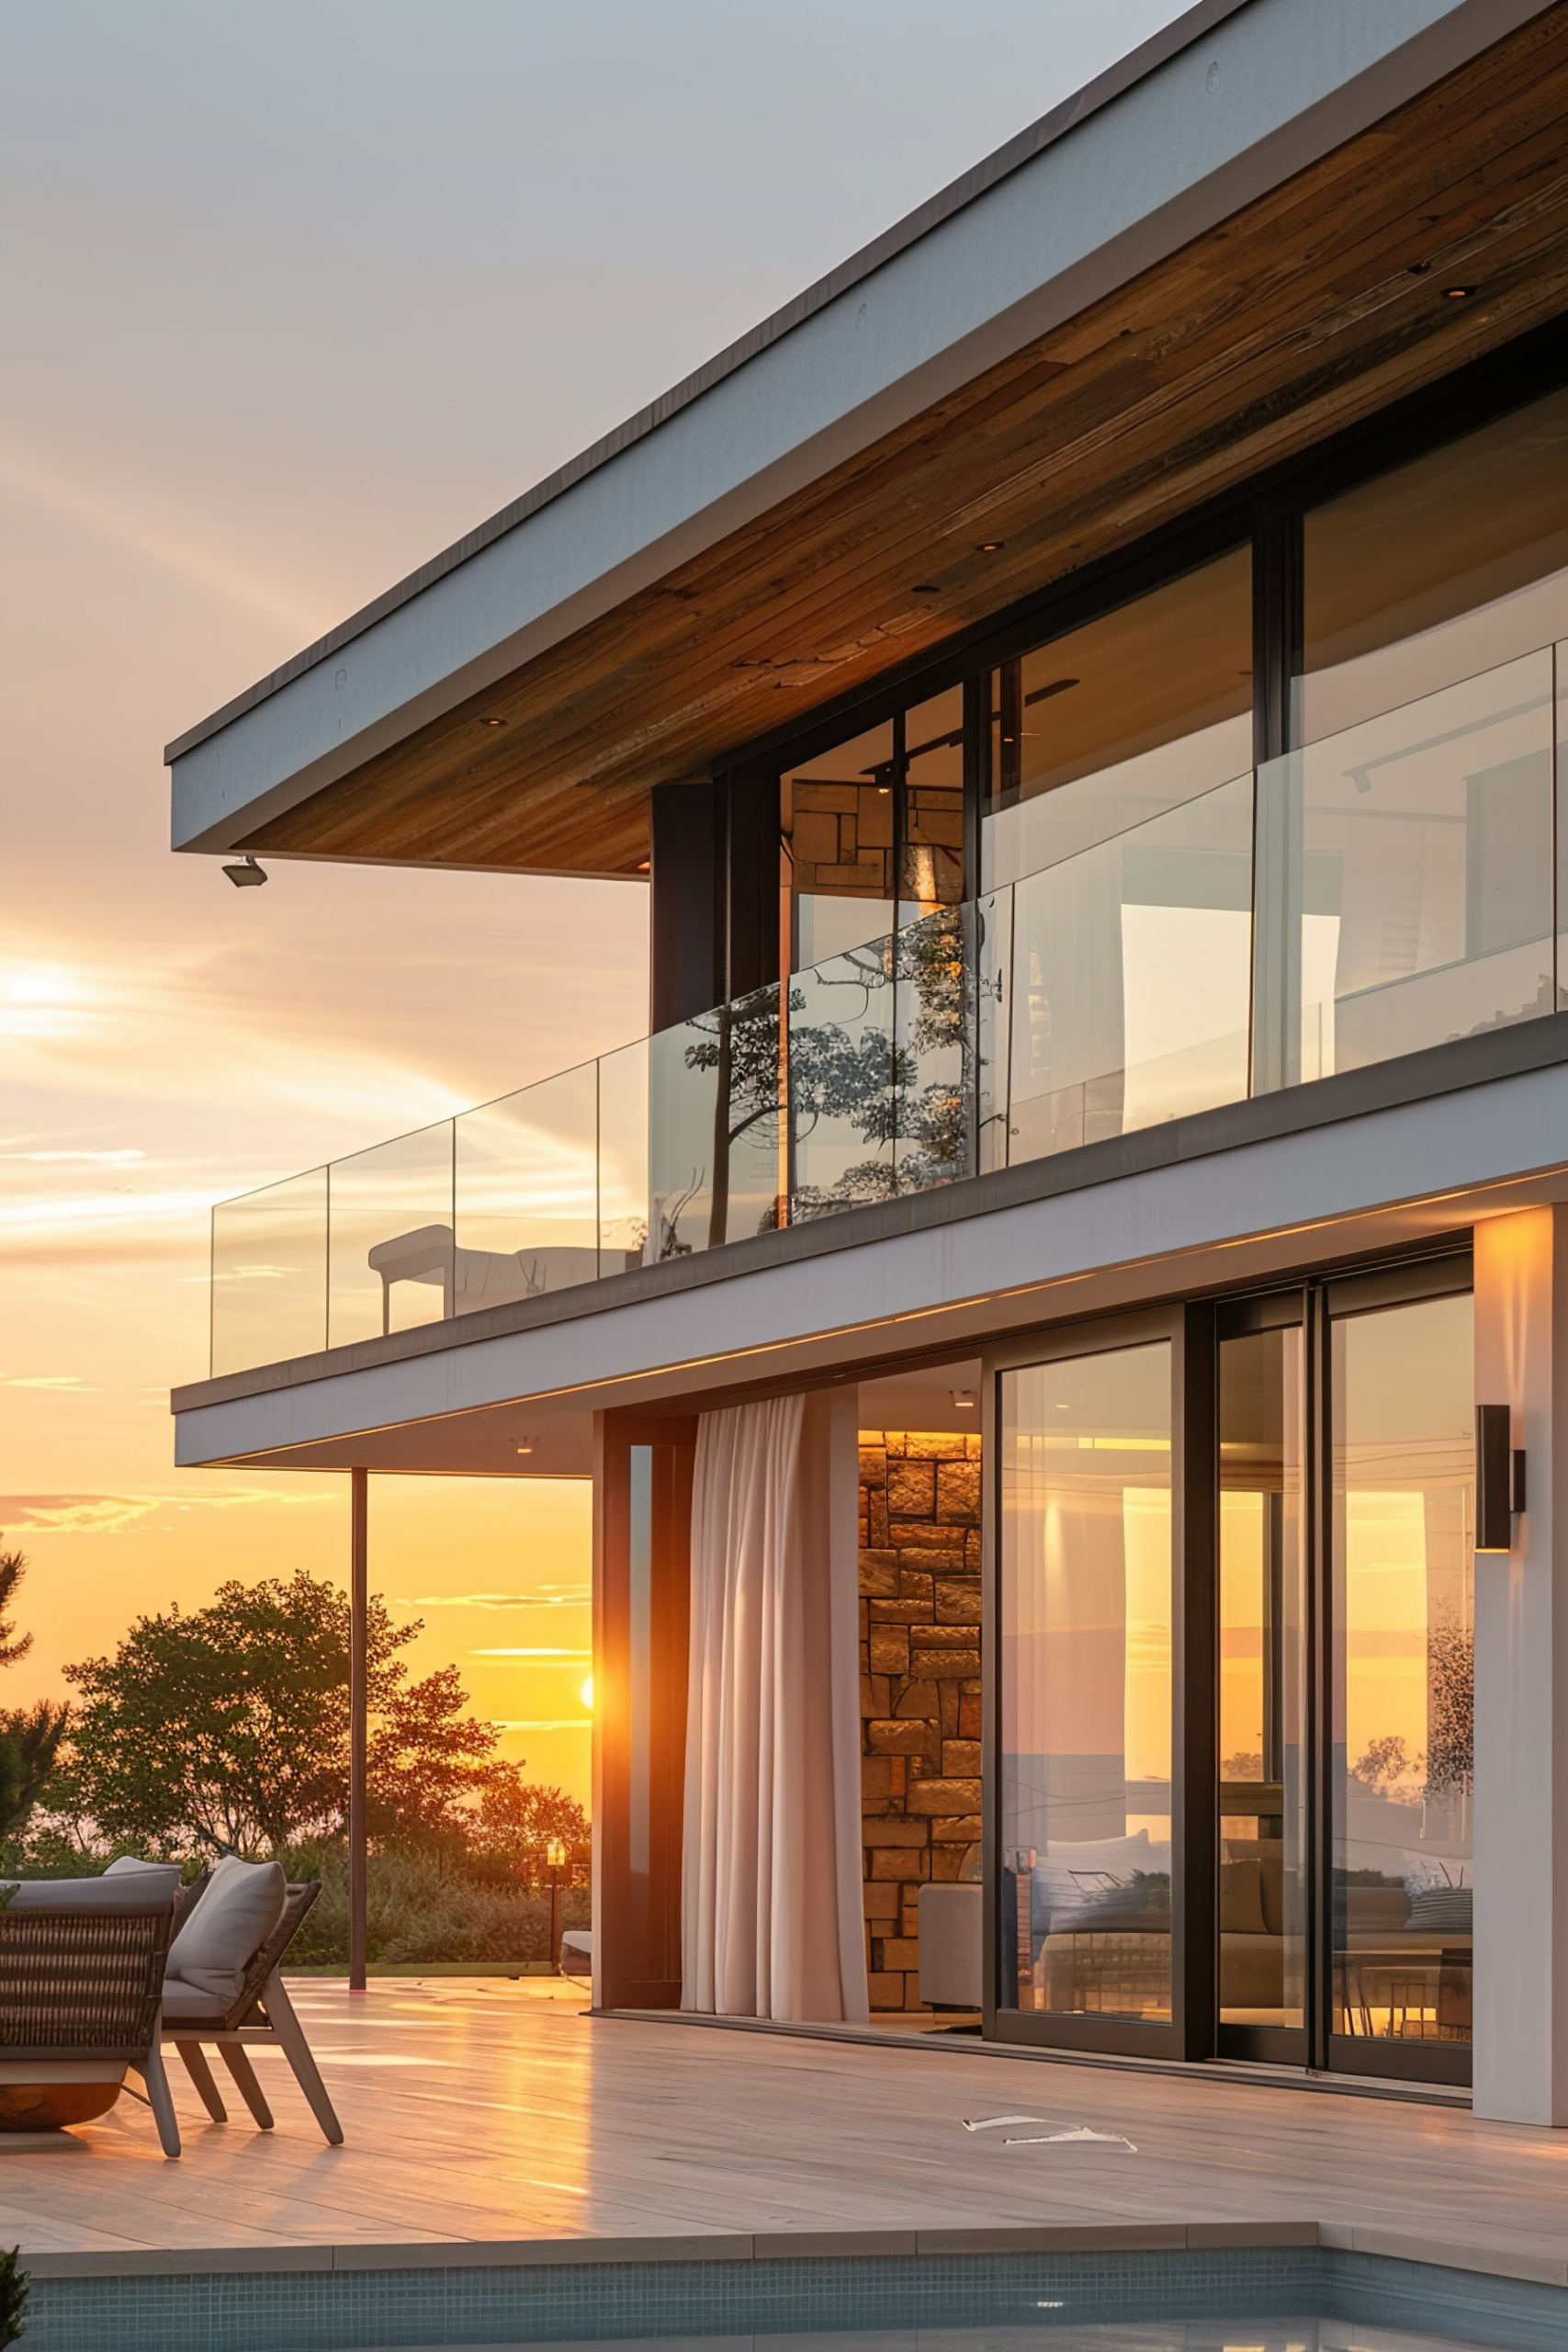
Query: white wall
(1521, 1683)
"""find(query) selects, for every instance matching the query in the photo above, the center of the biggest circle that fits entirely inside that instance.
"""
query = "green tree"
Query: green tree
(30, 1738)
(226, 1730)
(517, 1820)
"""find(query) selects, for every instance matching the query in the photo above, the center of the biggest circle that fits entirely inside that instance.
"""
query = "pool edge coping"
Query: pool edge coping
(774, 2246)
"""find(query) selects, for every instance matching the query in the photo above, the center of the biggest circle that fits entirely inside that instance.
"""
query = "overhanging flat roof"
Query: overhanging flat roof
(1232, 242)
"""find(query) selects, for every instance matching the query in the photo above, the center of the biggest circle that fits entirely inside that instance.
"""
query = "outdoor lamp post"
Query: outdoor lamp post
(556, 1857)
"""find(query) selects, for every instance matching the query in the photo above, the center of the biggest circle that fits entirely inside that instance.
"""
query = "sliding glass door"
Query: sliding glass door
(1233, 1653)
(1402, 1665)
(1086, 1690)
(1261, 1750)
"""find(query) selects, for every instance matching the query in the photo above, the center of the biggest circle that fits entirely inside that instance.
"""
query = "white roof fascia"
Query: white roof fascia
(1250, 94)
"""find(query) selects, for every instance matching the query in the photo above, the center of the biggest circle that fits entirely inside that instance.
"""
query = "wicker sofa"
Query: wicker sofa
(81, 1966)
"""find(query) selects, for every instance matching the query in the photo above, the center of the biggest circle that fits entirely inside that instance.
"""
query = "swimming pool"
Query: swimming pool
(1263, 2299)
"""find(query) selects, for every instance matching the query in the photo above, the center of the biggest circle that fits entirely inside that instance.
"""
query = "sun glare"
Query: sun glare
(38, 984)
(588, 1694)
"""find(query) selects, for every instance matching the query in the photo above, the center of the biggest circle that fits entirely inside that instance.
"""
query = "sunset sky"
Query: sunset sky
(293, 296)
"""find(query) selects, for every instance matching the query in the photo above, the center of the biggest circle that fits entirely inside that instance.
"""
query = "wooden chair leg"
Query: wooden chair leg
(200, 2073)
(160, 2099)
(233, 2056)
(297, 2050)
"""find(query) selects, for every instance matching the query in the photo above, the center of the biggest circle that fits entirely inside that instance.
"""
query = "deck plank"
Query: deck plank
(482, 2114)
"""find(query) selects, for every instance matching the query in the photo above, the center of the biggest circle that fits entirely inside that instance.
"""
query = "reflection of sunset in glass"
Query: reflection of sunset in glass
(588, 1694)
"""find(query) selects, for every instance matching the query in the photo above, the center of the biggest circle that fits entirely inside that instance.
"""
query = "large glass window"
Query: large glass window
(1405, 883)
(872, 832)
(1404, 879)
(1403, 1672)
(930, 842)
(1086, 1684)
(1444, 567)
(838, 873)
(1111, 724)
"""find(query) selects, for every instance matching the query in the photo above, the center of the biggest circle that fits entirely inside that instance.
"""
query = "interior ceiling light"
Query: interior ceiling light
(1457, 293)
(992, 547)
(647, 866)
(246, 877)
(495, 722)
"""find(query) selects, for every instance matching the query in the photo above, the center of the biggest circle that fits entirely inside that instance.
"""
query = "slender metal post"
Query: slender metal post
(358, 1718)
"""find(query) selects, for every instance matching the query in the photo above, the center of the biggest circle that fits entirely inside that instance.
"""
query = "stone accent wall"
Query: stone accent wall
(919, 1582)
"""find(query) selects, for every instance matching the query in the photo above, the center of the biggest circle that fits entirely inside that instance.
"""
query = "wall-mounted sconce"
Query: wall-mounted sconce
(967, 1400)
(1499, 1478)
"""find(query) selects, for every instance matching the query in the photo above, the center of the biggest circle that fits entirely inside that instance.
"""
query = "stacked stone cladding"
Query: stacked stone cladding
(919, 1584)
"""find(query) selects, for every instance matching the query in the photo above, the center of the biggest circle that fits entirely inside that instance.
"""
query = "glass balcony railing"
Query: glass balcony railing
(1382, 890)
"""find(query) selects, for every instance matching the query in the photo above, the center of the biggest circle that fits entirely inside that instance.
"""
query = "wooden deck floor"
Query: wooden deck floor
(486, 2115)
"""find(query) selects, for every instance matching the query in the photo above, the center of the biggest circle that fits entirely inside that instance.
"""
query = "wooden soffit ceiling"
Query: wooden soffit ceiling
(1303, 313)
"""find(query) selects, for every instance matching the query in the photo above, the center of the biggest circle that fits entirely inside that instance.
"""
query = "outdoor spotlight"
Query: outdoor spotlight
(246, 877)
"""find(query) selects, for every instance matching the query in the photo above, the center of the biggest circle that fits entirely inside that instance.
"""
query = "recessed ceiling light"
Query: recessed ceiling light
(992, 547)
(646, 867)
(495, 722)
(1457, 293)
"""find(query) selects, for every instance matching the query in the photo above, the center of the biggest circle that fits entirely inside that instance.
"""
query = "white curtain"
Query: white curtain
(771, 1889)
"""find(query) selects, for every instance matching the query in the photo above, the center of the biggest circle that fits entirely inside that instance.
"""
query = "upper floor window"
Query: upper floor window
(872, 832)
(1439, 570)
(1114, 722)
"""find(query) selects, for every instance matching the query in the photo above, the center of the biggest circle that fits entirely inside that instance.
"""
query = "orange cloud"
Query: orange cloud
(112, 1514)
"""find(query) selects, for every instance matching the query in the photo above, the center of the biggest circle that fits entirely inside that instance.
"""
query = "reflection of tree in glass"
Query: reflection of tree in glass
(740, 1043)
(937, 977)
(1451, 1710)
(1386, 1766)
(1391, 1768)
(912, 1119)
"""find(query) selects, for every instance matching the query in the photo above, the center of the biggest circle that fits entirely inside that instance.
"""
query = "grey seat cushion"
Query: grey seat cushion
(190, 2004)
(152, 1887)
(240, 1905)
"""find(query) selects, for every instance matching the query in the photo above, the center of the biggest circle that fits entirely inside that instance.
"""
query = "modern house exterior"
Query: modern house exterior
(1081, 689)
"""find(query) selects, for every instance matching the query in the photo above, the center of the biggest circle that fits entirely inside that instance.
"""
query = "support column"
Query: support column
(642, 1480)
(358, 1719)
(1521, 1683)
